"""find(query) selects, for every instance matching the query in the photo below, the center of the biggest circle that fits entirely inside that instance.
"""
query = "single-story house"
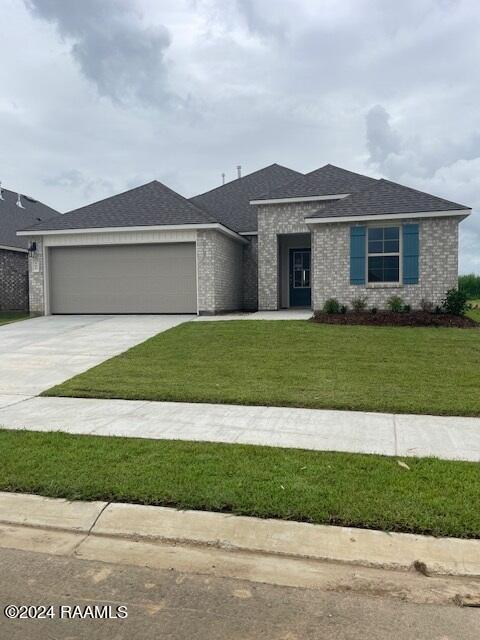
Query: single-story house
(272, 239)
(16, 212)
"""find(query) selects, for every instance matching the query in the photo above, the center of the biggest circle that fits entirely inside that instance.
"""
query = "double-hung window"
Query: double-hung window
(383, 254)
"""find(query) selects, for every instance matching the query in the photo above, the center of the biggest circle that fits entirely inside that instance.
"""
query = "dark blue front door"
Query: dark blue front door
(300, 287)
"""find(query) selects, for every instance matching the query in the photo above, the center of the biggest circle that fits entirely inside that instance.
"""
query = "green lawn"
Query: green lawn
(298, 364)
(434, 497)
(11, 316)
(474, 313)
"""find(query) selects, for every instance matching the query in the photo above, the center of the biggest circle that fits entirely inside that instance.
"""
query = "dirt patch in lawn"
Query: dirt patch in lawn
(388, 318)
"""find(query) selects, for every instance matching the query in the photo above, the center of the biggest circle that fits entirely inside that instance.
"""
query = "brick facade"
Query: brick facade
(13, 280)
(36, 289)
(250, 274)
(330, 243)
(219, 268)
(233, 276)
(275, 219)
(438, 265)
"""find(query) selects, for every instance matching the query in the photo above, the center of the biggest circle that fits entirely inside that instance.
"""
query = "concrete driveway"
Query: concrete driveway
(39, 353)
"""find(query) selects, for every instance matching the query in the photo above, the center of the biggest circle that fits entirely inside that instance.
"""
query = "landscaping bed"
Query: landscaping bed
(390, 318)
(296, 363)
(431, 496)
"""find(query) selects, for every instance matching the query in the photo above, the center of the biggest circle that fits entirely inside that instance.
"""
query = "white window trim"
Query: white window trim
(389, 284)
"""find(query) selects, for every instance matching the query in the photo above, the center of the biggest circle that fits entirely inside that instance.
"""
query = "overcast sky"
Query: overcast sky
(97, 96)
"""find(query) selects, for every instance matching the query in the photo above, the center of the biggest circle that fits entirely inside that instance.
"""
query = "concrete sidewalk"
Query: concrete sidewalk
(450, 438)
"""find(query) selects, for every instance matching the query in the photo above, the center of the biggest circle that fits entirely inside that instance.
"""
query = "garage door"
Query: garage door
(153, 278)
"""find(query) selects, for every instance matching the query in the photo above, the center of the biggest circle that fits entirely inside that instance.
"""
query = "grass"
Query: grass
(435, 497)
(12, 316)
(298, 364)
(474, 313)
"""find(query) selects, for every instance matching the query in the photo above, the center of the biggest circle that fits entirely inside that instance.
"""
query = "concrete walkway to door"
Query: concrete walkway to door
(39, 353)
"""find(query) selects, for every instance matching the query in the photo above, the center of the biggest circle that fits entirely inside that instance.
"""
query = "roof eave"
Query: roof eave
(216, 226)
(334, 196)
(463, 213)
(6, 247)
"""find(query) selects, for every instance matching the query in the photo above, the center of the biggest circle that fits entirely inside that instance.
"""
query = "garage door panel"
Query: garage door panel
(158, 278)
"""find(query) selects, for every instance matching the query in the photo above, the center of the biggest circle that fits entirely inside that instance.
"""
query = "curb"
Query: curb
(369, 548)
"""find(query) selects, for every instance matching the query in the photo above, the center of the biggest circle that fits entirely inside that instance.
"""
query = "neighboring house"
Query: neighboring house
(16, 212)
(273, 239)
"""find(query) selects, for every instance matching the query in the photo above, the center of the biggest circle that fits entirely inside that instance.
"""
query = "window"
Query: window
(383, 254)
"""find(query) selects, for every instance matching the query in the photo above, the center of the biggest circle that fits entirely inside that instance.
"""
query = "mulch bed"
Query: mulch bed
(388, 318)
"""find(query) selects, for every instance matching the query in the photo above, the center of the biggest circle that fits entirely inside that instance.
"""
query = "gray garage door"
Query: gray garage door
(153, 278)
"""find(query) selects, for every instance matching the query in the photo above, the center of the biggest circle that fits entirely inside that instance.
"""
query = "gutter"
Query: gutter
(334, 196)
(7, 248)
(216, 226)
(389, 216)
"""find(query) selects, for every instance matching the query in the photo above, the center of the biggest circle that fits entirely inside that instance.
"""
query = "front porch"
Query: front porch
(294, 271)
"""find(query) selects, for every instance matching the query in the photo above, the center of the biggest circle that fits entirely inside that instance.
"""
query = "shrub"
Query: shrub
(426, 305)
(455, 302)
(437, 310)
(373, 310)
(343, 308)
(407, 308)
(359, 304)
(331, 305)
(395, 304)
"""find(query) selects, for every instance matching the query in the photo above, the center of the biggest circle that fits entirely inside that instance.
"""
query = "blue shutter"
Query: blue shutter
(410, 253)
(357, 255)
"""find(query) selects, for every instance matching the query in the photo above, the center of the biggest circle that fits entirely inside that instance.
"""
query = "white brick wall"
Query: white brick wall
(275, 219)
(36, 279)
(438, 265)
(250, 274)
(220, 285)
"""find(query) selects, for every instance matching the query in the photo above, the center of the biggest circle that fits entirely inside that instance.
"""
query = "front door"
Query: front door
(300, 287)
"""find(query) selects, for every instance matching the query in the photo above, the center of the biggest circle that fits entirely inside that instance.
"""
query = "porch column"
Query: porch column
(267, 270)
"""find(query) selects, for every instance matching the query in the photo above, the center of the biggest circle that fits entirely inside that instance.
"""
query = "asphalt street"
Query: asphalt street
(167, 604)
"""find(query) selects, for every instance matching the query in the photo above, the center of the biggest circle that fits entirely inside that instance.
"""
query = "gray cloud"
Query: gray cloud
(444, 166)
(75, 180)
(382, 140)
(261, 22)
(381, 88)
(114, 50)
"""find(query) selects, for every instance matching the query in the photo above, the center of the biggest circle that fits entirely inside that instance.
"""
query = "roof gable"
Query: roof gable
(385, 197)
(327, 180)
(230, 203)
(148, 205)
(13, 218)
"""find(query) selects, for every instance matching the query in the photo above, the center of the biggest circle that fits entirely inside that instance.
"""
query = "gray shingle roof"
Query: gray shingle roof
(12, 218)
(385, 197)
(230, 203)
(148, 205)
(327, 180)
